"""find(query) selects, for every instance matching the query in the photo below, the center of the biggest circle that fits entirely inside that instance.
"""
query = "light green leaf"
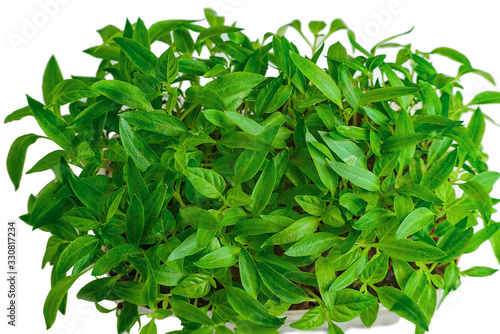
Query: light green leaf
(298, 230)
(409, 250)
(319, 78)
(123, 93)
(138, 54)
(223, 257)
(207, 181)
(415, 221)
(356, 175)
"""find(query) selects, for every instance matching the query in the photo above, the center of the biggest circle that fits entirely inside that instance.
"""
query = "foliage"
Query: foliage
(242, 178)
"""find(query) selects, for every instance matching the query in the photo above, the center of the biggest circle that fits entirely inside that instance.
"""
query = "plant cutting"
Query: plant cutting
(228, 181)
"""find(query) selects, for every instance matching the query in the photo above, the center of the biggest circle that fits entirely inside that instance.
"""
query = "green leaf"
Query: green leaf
(356, 175)
(454, 243)
(439, 171)
(218, 118)
(55, 298)
(250, 309)
(327, 115)
(347, 150)
(319, 78)
(349, 304)
(415, 221)
(409, 250)
(248, 273)
(193, 286)
(312, 319)
(311, 204)
(123, 93)
(93, 111)
(280, 286)
(84, 219)
(185, 310)
(235, 197)
(204, 96)
(320, 155)
(234, 87)
(376, 269)
(313, 244)
(351, 274)
(207, 181)
(431, 99)
(482, 236)
(223, 257)
(349, 86)
(18, 114)
(374, 218)
(149, 291)
(399, 303)
(76, 250)
(263, 190)
(298, 230)
(113, 258)
(325, 274)
(488, 97)
(238, 139)
(199, 218)
(136, 147)
(453, 55)
(167, 67)
(399, 142)
(138, 54)
(155, 121)
(216, 31)
(479, 196)
(17, 156)
(52, 76)
(266, 96)
(85, 192)
(71, 90)
(135, 183)
(134, 220)
(386, 93)
(96, 290)
(53, 126)
(479, 272)
(150, 328)
(248, 164)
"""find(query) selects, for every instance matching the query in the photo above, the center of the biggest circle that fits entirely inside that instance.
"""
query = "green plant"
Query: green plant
(205, 185)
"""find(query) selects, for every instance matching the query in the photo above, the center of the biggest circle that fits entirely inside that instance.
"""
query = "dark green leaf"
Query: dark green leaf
(53, 126)
(250, 309)
(155, 121)
(17, 156)
(136, 147)
(399, 303)
(134, 221)
(52, 76)
(280, 286)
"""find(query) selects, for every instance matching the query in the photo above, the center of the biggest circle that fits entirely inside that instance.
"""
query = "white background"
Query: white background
(64, 28)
